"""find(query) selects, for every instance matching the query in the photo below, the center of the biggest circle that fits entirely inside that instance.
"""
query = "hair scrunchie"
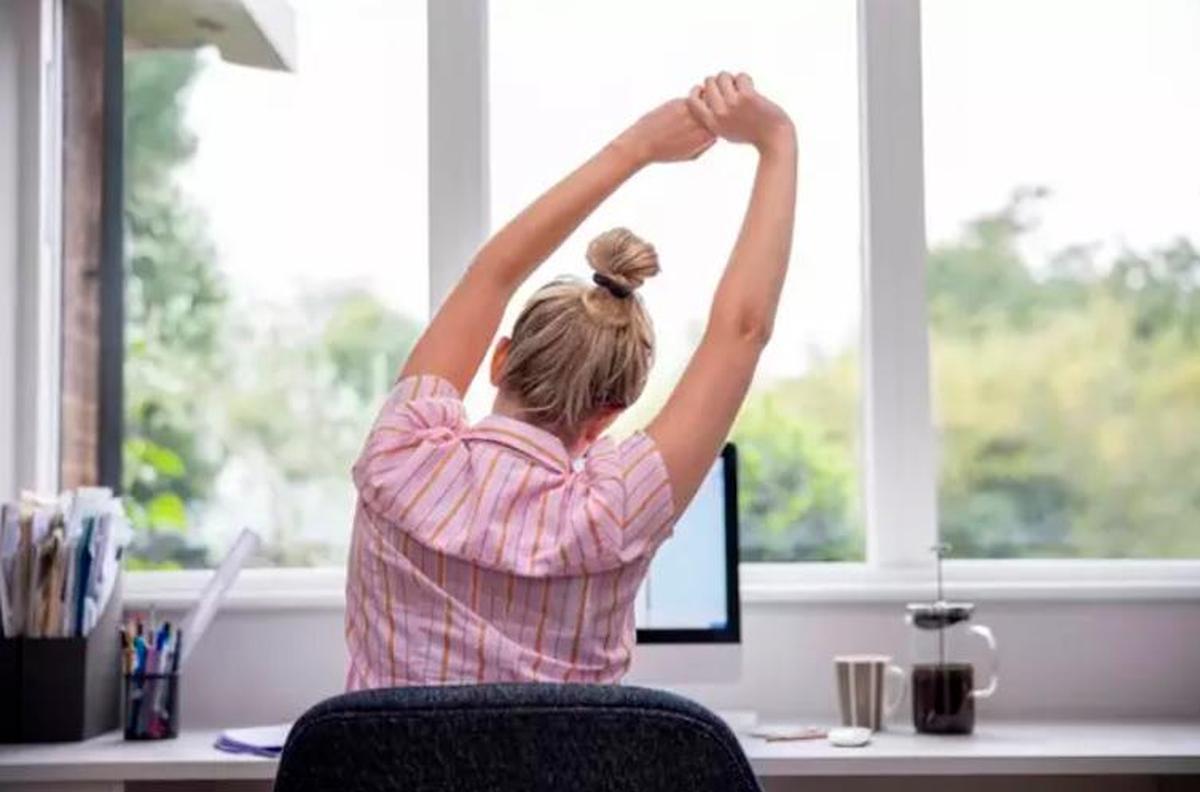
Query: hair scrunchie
(614, 288)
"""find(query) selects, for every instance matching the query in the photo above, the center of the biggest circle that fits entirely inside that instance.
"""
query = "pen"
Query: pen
(125, 664)
(177, 652)
(162, 687)
(139, 645)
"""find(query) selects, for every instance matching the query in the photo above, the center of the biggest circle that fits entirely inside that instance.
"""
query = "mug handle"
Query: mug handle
(890, 707)
(994, 681)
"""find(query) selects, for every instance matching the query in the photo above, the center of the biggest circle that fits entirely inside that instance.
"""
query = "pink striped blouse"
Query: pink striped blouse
(484, 553)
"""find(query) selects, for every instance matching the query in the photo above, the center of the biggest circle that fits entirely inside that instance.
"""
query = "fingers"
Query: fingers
(729, 93)
(701, 111)
(713, 104)
(713, 97)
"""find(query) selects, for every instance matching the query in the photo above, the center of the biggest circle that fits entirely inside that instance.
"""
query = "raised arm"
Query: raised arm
(693, 424)
(456, 340)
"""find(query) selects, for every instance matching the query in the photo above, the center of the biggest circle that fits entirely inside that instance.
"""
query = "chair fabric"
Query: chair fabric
(528, 737)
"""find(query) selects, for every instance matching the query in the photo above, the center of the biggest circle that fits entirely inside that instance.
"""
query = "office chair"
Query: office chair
(528, 737)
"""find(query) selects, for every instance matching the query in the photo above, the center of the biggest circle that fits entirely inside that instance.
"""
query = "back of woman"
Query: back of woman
(500, 556)
(511, 549)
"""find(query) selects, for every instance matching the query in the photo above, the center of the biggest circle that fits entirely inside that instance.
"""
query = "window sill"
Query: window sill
(1041, 581)
(762, 584)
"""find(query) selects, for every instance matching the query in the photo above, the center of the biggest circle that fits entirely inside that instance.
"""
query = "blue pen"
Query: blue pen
(139, 646)
(160, 643)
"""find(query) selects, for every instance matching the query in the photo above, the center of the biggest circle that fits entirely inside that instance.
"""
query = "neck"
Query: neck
(511, 408)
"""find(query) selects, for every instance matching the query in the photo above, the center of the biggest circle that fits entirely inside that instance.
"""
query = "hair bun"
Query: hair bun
(624, 257)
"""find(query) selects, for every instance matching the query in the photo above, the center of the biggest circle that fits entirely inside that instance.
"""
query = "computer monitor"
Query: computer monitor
(688, 610)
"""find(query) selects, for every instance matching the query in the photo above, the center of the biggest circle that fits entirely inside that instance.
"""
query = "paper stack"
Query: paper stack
(59, 561)
(259, 740)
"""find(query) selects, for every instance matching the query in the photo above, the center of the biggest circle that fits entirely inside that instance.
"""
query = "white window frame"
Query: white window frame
(899, 454)
(31, 202)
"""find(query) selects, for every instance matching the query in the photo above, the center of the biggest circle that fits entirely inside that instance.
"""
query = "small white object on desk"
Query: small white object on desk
(783, 732)
(850, 736)
(257, 740)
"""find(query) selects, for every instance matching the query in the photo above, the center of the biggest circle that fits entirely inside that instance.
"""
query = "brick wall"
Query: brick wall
(83, 143)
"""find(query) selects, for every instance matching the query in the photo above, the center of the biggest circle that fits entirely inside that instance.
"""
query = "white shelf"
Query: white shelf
(1131, 748)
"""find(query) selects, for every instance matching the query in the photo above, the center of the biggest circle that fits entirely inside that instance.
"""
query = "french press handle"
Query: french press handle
(994, 681)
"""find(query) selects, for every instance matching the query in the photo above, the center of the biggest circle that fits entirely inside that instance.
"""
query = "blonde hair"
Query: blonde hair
(578, 348)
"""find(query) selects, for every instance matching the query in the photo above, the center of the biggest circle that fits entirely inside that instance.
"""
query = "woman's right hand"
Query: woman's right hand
(730, 108)
(668, 133)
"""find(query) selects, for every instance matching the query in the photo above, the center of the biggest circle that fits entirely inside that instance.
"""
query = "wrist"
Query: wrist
(634, 154)
(779, 139)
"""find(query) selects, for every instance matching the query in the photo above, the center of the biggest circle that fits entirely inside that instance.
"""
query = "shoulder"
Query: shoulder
(631, 492)
(422, 420)
(423, 401)
(635, 461)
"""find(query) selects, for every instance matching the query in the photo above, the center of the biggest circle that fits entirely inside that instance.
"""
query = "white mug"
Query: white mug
(860, 683)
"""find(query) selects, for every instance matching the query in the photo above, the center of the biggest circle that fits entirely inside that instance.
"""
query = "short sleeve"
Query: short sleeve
(422, 417)
(630, 496)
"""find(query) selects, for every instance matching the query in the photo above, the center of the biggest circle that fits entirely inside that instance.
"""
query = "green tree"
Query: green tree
(1068, 399)
(307, 384)
(797, 442)
(277, 399)
(1068, 395)
(175, 306)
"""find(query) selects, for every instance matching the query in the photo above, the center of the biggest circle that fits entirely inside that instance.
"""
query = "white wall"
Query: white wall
(1058, 660)
(8, 242)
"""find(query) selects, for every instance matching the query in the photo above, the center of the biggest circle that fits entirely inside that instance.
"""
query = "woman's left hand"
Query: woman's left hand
(668, 133)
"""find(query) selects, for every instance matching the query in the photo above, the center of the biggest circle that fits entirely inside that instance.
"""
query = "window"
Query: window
(583, 71)
(277, 238)
(1063, 185)
(279, 265)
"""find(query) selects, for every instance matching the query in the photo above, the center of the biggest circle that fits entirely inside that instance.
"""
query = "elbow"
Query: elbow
(748, 327)
(756, 331)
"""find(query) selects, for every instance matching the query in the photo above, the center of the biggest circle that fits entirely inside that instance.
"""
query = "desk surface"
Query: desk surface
(1003, 748)
(1137, 748)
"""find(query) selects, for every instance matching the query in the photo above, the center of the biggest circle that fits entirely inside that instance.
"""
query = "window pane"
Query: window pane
(1063, 183)
(277, 276)
(567, 76)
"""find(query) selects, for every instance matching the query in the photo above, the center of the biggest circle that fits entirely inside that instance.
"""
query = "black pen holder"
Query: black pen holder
(151, 706)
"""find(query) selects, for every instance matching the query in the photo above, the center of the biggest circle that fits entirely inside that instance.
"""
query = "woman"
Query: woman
(512, 549)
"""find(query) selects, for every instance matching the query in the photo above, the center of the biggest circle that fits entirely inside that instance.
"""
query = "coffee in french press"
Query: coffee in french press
(943, 684)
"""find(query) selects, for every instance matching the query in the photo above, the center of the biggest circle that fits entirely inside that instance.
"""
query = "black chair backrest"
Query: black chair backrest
(528, 737)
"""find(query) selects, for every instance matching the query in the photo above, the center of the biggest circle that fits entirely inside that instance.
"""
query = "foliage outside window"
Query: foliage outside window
(268, 302)
(1065, 316)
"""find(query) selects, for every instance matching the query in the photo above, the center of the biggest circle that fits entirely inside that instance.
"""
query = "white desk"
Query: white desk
(1144, 748)
(107, 762)
(1042, 748)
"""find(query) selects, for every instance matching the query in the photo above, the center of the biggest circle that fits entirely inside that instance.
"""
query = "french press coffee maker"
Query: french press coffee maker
(943, 684)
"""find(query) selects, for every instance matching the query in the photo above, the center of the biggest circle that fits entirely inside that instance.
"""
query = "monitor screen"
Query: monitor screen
(687, 593)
